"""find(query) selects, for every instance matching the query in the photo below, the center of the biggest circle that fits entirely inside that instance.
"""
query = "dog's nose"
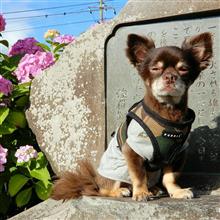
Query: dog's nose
(170, 77)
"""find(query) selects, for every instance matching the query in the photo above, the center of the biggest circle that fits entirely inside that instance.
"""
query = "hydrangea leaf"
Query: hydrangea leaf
(41, 174)
(17, 118)
(41, 161)
(3, 114)
(7, 128)
(23, 197)
(16, 182)
(21, 89)
(43, 46)
(4, 42)
(43, 192)
(23, 101)
(60, 46)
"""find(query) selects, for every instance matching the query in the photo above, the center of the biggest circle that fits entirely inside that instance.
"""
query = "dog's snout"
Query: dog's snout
(170, 77)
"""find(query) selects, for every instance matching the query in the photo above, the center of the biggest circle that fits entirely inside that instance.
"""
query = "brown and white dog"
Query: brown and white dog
(167, 72)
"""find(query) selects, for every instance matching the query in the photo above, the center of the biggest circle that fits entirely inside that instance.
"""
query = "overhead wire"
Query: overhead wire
(49, 8)
(50, 15)
(90, 10)
(52, 25)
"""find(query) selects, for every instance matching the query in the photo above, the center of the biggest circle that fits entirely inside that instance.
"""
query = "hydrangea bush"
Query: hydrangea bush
(25, 46)
(25, 176)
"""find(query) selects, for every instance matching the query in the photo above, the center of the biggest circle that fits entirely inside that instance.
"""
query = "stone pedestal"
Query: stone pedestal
(204, 208)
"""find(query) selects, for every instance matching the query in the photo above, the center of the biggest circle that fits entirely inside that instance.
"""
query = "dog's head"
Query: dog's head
(169, 71)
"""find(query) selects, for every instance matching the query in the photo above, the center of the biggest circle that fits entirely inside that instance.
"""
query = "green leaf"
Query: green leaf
(12, 169)
(51, 42)
(4, 42)
(56, 56)
(5, 202)
(16, 182)
(17, 118)
(10, 69)
(41, 174)
(21, 89)
(41, 161)
(23, 197)
(22, 101)
(43, 46)
(3, 114)
(43, 192)
(58, 47)
(7, 128)
(4, 56)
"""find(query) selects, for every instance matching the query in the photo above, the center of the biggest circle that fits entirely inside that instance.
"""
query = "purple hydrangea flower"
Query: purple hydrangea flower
(5, 86)
(2, 23)
(64, 39)
(3, 159)
(25, 153)
(25, 46)
(32, 65)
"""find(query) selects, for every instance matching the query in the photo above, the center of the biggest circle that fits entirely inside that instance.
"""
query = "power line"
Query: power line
(52, 25)
(90, 10)
(49, 8)
(50, 15)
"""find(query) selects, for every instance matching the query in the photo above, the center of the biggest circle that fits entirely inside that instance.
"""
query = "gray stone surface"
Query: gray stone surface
(125, 86)
(203, 208)
(67, 100)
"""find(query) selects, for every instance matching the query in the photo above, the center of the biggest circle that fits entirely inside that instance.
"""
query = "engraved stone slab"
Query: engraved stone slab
(125, 87)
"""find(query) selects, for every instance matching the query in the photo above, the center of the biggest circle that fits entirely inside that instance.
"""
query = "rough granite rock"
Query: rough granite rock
(67, 100)
(204, 208)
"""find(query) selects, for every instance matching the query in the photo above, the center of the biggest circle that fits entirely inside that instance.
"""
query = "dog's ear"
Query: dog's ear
(200, 46)
(138, 48)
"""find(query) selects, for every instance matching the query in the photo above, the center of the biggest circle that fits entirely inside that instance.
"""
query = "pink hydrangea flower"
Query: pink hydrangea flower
(25, 153)
(25, 46)
(32, 65)
(5, 86)
(64, 39)
(3, 159)
(2, 23)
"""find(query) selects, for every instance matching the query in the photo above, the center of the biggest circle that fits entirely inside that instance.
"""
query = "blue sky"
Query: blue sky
(29, 24)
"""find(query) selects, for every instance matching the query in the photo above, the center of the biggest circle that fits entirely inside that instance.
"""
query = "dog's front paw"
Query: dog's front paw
(182, 194)
(141, 195)
(124, 192)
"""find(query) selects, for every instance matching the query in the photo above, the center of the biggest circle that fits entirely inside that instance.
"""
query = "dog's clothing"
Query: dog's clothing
(157, 140)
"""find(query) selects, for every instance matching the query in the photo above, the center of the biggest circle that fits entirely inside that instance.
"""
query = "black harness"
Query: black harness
(167, 137)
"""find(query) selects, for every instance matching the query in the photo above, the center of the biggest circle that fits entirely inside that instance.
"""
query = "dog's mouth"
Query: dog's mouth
(165, 92)
(170, 90)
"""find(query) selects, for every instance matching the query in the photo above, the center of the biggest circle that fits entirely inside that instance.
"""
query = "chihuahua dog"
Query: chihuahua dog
(152, 142)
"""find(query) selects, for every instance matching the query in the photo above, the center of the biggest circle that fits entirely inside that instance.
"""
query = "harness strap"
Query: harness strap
(156, 154)
(188, 122)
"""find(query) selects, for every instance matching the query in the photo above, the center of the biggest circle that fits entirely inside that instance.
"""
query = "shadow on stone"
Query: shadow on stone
(203, 161)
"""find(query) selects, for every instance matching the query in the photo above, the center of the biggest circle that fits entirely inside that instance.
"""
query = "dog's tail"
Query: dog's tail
(76, 184)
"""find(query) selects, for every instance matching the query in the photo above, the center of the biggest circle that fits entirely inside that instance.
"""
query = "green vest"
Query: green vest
(167, 137)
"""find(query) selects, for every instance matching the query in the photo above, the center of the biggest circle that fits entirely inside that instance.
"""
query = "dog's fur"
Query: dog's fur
(167, 72)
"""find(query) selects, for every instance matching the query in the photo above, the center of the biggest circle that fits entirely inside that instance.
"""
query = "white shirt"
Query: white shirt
(113, 164)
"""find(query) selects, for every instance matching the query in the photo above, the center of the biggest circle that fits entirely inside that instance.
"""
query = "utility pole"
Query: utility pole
(101, 8)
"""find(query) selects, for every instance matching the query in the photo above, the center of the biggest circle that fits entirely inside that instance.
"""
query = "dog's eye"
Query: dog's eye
(155, 69)
(183, 70)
